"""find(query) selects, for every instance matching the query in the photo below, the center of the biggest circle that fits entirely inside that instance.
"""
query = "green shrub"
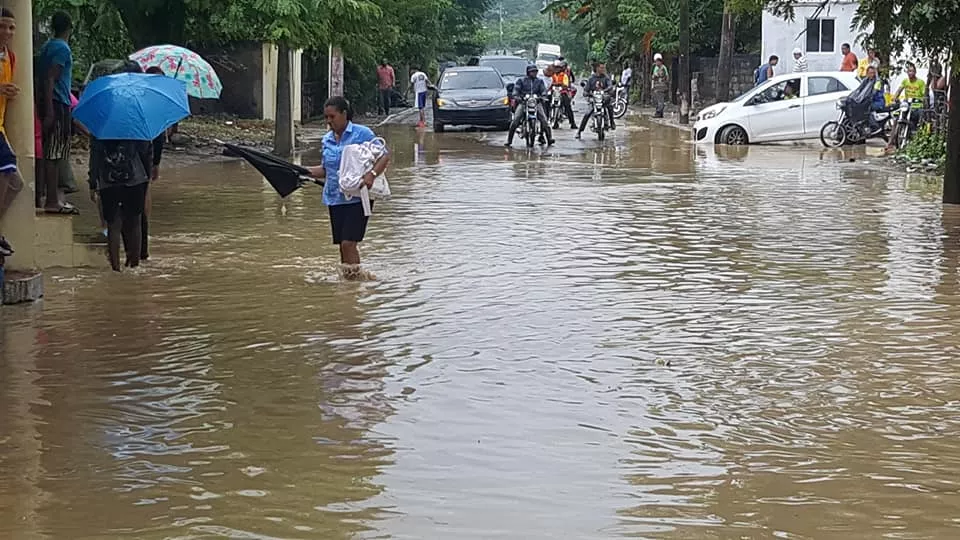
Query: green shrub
(927, 146)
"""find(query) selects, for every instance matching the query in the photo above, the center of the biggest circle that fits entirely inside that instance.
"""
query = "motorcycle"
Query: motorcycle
(600, 121)
(906, 123)
(620, 101)
(530, 127)
(848, 129)
(556, 105)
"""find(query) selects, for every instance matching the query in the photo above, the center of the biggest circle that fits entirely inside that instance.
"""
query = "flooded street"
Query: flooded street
(639, 339)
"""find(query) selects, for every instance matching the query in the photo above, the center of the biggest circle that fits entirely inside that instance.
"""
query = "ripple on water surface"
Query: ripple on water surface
(635, 339)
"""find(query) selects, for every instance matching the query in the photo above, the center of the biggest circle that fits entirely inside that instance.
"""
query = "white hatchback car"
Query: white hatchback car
(765, 114)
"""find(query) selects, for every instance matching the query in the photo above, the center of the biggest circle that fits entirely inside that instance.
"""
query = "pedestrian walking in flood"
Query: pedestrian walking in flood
(420, 84)
(386, 82)
(118, 178)
(348, 223)
(661, 84)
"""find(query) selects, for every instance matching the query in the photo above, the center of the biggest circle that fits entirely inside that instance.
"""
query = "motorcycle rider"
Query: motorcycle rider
(879, 102)
(911, 88)
(599, 80)
(530, 85)
(562, 80)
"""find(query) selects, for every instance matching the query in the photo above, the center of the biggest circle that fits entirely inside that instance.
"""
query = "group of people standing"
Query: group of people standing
(120, 171)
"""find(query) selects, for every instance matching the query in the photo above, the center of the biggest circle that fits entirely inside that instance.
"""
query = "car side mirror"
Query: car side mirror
(510, 87)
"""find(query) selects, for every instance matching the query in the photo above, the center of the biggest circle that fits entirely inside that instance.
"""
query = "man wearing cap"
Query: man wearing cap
(661, 84)
(799, 61)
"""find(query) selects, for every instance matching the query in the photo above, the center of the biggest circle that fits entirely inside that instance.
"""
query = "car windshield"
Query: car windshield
(470, 80)
(742, 96)
(506, 66)
(548, 57)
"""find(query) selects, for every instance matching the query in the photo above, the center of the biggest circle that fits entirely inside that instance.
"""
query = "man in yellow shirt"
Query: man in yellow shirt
(915, 90)
(561, 79)
(10, 181)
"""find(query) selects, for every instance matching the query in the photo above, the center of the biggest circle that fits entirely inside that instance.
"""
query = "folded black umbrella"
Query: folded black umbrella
(285, 177)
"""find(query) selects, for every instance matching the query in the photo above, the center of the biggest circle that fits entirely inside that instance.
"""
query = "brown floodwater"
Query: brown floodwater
(635, 339)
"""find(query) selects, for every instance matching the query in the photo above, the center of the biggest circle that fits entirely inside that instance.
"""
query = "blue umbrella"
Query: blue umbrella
(132, 106)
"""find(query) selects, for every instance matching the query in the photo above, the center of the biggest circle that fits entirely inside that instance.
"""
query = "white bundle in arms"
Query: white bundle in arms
(356, 161)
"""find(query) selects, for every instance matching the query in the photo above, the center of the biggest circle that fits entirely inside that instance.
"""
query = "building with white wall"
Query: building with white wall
(819, 33)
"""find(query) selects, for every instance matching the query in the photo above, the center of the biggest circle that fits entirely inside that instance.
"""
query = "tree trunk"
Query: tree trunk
(951, 175)
(283, 133)
(684, 61)
(725, 63)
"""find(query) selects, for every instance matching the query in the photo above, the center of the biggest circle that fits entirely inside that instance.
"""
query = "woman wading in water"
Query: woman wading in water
(347, 222)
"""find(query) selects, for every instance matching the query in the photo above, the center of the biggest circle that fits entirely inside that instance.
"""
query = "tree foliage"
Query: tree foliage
(403, 31)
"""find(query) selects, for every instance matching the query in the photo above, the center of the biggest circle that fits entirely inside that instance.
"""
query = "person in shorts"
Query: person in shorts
(54, 76)
(420, 84)
(347, 221)
(10, 181)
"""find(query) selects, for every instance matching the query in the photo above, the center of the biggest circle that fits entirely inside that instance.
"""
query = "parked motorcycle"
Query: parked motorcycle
(852, 127)
(621, 101)
(530, 127)
(556, 104)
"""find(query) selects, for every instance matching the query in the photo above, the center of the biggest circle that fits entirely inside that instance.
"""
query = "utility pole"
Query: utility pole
(684, 61)
(502, 48)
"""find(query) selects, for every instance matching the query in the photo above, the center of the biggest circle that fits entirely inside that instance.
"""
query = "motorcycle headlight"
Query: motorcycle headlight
(840, 103)
(501, 101)
(712, 114)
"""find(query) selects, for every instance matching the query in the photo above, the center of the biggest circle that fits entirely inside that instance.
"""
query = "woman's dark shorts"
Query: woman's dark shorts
(348, 223)
(128, 201)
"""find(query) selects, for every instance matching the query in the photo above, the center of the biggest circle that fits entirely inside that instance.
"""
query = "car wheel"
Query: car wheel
(733, 135)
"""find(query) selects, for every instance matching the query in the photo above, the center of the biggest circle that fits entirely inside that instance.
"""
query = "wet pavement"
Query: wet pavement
(630, 339)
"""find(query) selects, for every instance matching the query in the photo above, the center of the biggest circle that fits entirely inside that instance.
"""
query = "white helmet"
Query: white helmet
(657, 56)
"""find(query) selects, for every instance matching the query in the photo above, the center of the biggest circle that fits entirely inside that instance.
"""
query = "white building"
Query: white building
(819, 33)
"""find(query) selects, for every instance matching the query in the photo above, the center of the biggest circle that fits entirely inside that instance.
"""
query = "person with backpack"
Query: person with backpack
(765, 72)
(119, 176)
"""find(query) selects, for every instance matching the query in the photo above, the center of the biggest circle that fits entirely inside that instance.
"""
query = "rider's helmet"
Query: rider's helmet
(533, 68)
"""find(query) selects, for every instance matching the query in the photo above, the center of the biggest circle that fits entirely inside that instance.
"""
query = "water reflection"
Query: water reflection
(639, 338)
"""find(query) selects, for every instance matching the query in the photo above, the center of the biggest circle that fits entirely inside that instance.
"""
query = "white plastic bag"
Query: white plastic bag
(356, 161)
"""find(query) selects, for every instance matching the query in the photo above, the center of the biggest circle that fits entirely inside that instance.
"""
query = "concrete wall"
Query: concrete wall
(741, 79)
(248, 72)
(780, 36)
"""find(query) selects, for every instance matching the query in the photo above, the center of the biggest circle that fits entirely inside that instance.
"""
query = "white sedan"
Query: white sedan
(768, 113)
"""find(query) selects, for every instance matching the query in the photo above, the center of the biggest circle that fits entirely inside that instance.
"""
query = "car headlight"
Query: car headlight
(445, 103)
(501, 101)
(712, 114)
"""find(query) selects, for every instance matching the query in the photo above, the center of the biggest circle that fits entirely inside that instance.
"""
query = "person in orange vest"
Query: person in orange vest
(561, 80)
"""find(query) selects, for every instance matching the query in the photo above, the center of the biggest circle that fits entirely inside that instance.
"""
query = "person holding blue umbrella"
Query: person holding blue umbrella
(123, 114)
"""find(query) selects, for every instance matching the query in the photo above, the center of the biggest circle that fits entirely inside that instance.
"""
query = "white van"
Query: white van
(547, 54)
